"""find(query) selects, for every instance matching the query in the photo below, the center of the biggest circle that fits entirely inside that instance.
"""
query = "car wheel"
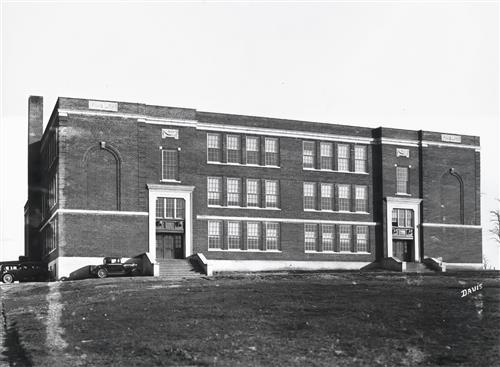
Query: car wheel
(7, 278)
(102, 273)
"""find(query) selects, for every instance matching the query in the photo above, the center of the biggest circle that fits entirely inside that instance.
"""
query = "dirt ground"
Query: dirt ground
(288, 319)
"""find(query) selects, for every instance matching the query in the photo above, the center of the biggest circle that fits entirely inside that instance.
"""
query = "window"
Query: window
(253, 235)
(271, 153)
(309, 195)
(253, 197)
(326, 153)
(53, 192)
(272, 193)
(344, 199)
(214, 234)
(213, 148)
(169, 164)
(170, 208)
(214, 190)
(402, 218)
(233, 192)
(272, 236)
(252, 149)
(326, 197)
(402, 180)
(361, 199)
(309, 154)
(327, 237)
(345, 237)
(310, 234)
(233, 235)
(362, 238)
(233, 149)
(343, 157)
(359, 158)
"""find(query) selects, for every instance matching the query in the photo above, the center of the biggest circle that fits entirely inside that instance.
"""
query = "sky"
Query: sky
(410, 65)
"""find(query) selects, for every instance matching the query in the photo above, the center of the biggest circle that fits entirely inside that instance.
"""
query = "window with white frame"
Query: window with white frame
(361, 199)
(362, 238)
(360, 158)
(272, 193)
(327, 237)
(214, 190)
(252, 149)
(344, 237)
(401, 180)
(271, 156)
(170, 208)
(214, 234)
(233, 235)
(253, 197)
(214, 148)
(272, 235)
(310, 235)
(233, 191)
(326, 196)
(169, 164)
(309, 195)
(326, 155)
(233, 148)
(344, 198)
(253, 235)
(53, 191)
(309, 154)
(343, 157)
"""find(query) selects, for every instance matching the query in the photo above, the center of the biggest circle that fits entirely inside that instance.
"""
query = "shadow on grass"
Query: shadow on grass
(13, 348)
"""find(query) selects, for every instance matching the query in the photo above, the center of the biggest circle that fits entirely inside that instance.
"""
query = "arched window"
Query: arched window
(452, 198)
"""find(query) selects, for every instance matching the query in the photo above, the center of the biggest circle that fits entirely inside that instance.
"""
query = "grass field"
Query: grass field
(322, 319)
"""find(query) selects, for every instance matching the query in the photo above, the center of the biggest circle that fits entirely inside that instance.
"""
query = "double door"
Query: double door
(169, 246)
(402, 249)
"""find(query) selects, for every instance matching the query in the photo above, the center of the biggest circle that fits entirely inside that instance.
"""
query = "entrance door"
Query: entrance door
(169, 246)
(402, 249)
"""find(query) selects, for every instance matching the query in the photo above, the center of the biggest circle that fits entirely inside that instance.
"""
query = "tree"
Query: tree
(495, 219)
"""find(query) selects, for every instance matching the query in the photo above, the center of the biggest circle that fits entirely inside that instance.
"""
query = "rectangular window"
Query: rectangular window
(327, 237)
(180, 208)
(309, 195)
(214, 189)
(252, 149)
(326, 197)
(53, 192)
(233, 149)
(310, 235)
(309, 154)
(271, 153)
(214, 148)
(272, 194)
(253, 235)
(343, 157)
(233, 191)
(170, 208)
(344, 198)
(233, 235)
(326, 153)
(361, 199)
(402, 218)
(253, 197)
(402, 180)
(362, 238)
(359, 158)
(272, 236)
(169, 164)
(345, 237)
(214, 234)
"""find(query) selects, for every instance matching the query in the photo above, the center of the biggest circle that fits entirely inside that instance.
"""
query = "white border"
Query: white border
(283, 220)
(444, 225)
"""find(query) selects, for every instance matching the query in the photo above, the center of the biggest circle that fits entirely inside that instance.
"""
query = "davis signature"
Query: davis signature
(467, 291)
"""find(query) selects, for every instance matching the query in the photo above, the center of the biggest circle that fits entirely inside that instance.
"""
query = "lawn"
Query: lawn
(293, 319)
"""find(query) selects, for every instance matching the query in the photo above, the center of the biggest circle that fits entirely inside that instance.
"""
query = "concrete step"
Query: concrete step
(178, 268)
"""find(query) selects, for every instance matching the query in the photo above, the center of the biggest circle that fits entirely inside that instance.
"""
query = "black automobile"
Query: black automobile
(112, 267)
(24, 272)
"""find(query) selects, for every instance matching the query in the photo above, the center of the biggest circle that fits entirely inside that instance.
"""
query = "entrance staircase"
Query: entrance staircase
(179, 269)
(392, 263)
(417, 268)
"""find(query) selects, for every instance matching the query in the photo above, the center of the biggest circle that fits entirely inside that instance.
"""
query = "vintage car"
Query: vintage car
(24, 272)
(113, 266)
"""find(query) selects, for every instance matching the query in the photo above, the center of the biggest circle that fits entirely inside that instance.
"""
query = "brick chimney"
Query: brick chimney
(35, 119)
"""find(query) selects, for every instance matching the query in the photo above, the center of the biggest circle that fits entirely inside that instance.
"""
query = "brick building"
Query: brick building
(243, 192)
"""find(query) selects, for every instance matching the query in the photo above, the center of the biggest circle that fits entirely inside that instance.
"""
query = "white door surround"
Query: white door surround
(171, 191)
(403, 203)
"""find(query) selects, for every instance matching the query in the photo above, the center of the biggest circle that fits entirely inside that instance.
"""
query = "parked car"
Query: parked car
(24, 272)
(113, 266)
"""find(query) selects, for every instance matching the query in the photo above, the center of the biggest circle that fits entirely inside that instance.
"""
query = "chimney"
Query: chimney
(35, 119)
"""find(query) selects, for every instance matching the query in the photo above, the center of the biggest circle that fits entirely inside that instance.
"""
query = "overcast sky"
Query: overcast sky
(422, 65)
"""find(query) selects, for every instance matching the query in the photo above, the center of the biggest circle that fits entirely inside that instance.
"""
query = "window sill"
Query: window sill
(333, 171)
(334, 211)
(337, 252)
(402, 194)
(239, 250)
(242, 207)
(243, 165)
(172, 181)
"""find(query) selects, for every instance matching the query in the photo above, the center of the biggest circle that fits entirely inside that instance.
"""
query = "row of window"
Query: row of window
(335, 238)
(257, 151)
(51, 148)
(259, 236)
(259, 193)
(170, 208)
(325, 159)
(50, 237)
(340, 200)
(50, 197)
